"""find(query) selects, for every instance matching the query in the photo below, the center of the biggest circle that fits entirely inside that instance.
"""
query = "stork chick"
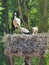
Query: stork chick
(35, 30)
(23, 30)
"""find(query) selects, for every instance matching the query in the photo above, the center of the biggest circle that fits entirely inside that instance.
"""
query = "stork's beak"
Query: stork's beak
(17, 25)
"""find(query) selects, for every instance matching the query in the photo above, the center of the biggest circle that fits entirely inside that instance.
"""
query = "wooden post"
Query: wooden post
(10, 59)
(41, 60)
(41, 57)
(27, 61)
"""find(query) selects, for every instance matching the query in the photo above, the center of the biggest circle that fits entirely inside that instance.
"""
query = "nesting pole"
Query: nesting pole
(27, 61)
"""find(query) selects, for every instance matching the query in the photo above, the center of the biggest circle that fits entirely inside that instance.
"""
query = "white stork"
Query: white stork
(16, 21)
(24, 30)
(35, 30)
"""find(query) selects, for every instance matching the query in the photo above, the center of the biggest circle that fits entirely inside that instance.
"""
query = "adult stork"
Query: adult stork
(16, 21)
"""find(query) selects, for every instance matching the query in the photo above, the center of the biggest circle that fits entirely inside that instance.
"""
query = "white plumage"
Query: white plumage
(35, 30)
(24, 30)
(16, 21)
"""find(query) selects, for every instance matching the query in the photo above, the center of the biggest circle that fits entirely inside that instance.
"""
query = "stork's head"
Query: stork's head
(15, 14)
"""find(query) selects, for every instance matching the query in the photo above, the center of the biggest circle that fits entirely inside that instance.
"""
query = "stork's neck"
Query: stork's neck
(15, 16)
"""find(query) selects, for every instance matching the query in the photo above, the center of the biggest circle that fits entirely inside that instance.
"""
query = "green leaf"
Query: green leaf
(1, 8)
(0, 3)
(0, 12)
(33, 10)
(0, 17)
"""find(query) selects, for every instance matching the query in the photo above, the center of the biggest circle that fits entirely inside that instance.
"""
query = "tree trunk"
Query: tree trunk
(26, 14)
(20, 10)
(5, 15)
(45, 16)
(26, 8)
(23, 17)
(40, 26)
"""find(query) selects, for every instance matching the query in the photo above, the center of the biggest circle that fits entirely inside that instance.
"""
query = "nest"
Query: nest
(25, 44)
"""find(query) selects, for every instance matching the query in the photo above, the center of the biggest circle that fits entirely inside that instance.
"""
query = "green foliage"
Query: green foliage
(35, 18)
(3, 60)
(1, 8)
(18, 60)
(35, 61)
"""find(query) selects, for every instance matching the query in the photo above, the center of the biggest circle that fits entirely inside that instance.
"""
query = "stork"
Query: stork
(24, 30)
(35, 30)
(16, 21)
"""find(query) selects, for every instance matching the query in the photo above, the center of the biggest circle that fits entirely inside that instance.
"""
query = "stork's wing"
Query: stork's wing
(18, 21)
(15, 23)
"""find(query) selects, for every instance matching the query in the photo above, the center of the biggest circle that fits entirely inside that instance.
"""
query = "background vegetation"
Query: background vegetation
(32, 13)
